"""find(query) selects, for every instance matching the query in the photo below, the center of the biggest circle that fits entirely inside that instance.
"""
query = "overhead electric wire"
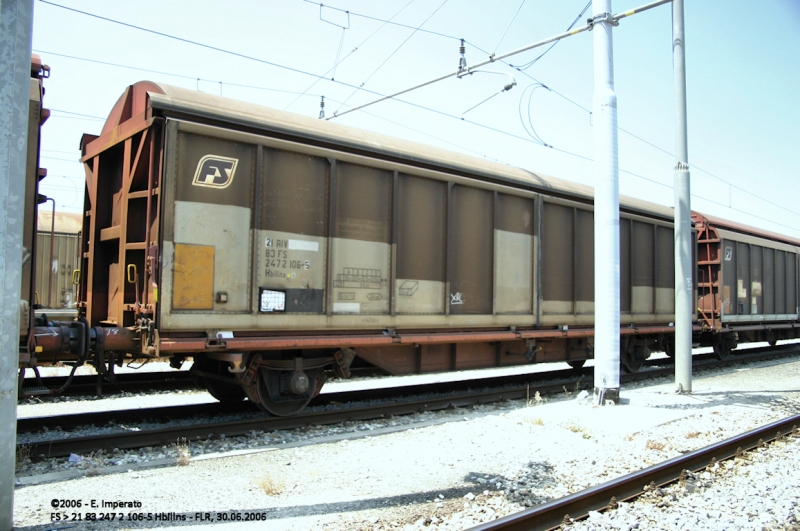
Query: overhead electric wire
(182, 76)
(203, 45)
(78, 114)
(376, 19)
(73, 152)
(667, 152)
(277, 65)
(532, 62)
(532, 133)
(521, 69)
(59, 158)
(509, 25)
(392, 54)
(349, 54)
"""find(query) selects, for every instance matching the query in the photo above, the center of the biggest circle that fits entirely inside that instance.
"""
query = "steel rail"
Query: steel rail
(99, 418)
(568, 377)
(605, 496)
(87, 383)
(168, 434)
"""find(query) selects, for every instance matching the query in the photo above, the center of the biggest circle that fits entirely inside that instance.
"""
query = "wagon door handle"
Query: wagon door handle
(133, 278)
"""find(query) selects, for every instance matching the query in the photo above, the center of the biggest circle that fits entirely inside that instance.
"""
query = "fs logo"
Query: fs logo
(215, 171)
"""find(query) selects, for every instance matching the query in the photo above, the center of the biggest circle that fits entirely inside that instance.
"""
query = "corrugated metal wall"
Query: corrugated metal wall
(64, 262)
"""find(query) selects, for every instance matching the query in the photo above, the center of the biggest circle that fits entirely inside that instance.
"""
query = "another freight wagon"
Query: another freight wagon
(57, 258)
(274, 249)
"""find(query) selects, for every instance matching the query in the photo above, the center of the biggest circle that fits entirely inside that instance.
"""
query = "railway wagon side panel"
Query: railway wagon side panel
(63, 262)
(646, 267)
(420, 246)
(514, 254)
(211, 222)
(291, 239)
(321, 239)
(759, 280)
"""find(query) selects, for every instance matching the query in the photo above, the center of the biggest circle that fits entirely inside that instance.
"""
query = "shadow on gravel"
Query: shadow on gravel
(770, 399)
(534, 474)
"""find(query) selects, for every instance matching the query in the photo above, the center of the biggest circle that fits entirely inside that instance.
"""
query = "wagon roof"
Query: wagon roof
(187, 103)
(744, 229)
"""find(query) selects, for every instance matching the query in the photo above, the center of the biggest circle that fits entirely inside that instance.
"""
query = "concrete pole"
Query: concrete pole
(16, 28)
(684, 303)
(606, 210)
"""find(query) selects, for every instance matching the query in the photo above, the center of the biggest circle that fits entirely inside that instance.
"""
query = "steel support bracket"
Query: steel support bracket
(252, 367)
(602, 17)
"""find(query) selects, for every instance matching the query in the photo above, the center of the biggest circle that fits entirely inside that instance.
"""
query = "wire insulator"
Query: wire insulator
(322, 108)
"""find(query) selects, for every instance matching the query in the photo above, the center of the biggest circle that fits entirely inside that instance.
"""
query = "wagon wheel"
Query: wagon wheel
(268, 391)
(633, 358)
(772, 338)
(669, 347)
(576, 364)
(723, 345)
(223, 391)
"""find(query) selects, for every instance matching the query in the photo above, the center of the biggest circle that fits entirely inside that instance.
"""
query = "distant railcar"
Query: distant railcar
(274, 249)
(54, 274)
(748, 284)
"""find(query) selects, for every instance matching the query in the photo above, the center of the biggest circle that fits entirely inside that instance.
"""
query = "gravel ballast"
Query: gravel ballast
(456, 468)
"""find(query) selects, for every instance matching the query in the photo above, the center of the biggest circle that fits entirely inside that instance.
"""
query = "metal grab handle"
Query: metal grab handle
(133, 278)
(76, 276)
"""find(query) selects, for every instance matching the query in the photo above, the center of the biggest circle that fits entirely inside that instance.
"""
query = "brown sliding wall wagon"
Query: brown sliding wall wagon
(274, 248)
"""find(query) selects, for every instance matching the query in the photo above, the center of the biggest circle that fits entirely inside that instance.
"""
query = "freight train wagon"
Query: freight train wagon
(747, 284)
(274, 248)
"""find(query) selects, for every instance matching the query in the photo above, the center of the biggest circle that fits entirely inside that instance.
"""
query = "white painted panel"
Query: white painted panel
(513, 273)
(665, 300)
(303, 245)
(360, 274)
(346, 307)
(642, 299)
(419, 296)
(227, 228)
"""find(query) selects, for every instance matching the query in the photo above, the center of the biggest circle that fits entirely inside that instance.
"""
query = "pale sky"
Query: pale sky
(743, 77)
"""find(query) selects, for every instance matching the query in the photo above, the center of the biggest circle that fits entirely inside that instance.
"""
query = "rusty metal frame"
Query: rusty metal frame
(301, 340)
(707, 235)
(118, 134)
(145, 296)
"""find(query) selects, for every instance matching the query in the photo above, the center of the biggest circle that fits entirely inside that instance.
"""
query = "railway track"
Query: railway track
(454, 394)
(92, 384)
(607, 495)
